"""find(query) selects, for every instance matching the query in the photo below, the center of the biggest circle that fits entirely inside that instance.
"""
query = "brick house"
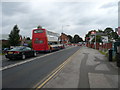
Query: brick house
(4, 39)
(63, 38)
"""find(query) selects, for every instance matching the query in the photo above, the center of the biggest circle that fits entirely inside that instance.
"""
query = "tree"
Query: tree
(14, 37)
(101, 31)
(111, 34)
(28, 38)
(77, 39)
(30, 44)
(98, 37)
(115, 35)
(39, 27)
(87, 37)
(108, 30)
(70, 38)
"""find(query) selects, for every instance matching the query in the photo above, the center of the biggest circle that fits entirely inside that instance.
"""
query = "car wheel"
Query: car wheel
(10, 58)
(50, 50)
(23, 56)
(35, 54)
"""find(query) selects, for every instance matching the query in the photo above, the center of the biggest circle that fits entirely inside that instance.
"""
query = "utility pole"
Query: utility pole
(95, 40)
(62, 28)
(62, 32)
(95, 34)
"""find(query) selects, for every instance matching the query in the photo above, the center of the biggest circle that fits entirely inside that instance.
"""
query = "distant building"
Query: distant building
(3, 39)
(119, 31)
(4, 36)
(63, 38)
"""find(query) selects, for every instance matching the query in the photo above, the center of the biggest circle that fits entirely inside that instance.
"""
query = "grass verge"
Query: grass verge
(104, 53)
(2, 53)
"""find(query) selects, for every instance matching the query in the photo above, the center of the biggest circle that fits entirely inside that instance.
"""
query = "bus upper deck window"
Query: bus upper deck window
(38, 31)
(38, 41)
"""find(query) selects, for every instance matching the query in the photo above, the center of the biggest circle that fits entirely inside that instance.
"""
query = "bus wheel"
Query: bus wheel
(50, 50)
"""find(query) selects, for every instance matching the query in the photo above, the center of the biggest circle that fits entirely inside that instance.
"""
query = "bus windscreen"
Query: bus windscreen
(38, 31)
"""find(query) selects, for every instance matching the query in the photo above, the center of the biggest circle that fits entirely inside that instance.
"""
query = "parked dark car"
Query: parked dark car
(4, 50)
(20, 53)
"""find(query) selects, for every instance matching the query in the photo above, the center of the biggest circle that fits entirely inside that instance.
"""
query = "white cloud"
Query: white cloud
(81, 16)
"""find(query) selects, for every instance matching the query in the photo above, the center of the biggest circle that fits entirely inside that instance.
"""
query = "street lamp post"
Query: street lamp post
(95, 34)
(95, 41)
(64, 26)
(62, 31)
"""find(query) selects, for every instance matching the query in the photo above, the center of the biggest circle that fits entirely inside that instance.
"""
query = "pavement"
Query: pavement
(87, 69)
(2, 57)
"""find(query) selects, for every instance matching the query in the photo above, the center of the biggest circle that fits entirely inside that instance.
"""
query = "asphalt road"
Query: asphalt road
(6, 62)
(27, 75)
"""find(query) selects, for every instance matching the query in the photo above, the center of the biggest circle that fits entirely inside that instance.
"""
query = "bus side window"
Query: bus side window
(38, 41)
(56, 43)
(49, 43)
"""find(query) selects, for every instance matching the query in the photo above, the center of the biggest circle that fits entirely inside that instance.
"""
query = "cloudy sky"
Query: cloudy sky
(81, 16)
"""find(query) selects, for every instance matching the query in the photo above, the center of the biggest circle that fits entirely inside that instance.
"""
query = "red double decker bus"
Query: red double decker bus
(44, 40)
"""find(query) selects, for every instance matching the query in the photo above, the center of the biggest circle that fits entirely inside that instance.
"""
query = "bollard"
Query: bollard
(118, 59)
(110, 55)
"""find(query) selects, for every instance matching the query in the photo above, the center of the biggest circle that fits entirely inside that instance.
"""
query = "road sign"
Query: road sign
(105, 39)
(91, 38)
(93, 33)
(100, 33)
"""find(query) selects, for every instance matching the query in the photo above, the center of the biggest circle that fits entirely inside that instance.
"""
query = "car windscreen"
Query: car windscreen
(17, 49)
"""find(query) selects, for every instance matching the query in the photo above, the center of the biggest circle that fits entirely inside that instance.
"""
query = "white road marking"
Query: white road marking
(20, 63)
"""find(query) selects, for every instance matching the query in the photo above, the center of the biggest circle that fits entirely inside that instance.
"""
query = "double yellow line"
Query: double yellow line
(53, 73)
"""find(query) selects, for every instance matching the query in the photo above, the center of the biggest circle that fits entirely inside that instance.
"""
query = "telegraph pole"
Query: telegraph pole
(95, 40)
